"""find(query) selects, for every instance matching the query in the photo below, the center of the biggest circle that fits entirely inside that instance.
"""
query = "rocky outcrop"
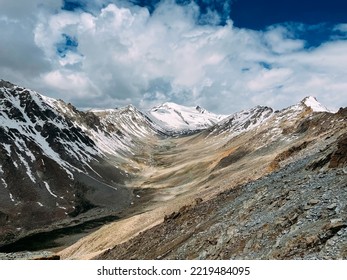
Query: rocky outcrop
(275, 164)
(339, 156)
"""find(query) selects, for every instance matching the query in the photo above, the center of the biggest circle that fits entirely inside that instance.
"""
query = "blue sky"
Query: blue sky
(268, 12)
(222, 55)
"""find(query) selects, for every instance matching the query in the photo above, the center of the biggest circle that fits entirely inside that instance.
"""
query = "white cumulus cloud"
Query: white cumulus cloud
(119, 53)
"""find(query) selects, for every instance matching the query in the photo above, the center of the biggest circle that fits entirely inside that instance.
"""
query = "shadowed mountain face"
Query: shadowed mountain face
(57, 162)
(205, 186)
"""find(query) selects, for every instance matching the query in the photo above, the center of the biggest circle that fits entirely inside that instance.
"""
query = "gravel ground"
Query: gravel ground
(295, 213)
(27, 255)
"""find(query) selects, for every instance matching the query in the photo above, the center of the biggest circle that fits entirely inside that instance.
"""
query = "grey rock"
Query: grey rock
(332, 206)
(313, 202)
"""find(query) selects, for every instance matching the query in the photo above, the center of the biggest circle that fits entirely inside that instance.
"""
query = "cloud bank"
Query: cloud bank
(114, 53)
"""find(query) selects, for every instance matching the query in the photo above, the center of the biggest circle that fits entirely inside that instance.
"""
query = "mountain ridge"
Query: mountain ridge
(65, 166)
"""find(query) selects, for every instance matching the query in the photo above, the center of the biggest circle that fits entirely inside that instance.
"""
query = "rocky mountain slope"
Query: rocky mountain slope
(275, 189)
(296, 212)
(256, 184)
(56, 162)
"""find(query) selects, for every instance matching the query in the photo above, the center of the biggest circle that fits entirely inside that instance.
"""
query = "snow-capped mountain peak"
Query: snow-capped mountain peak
(177, 118)
(313, 103)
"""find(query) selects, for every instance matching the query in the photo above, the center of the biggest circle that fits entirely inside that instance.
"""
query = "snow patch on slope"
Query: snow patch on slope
(11, 197)
(49, 189)
(4, 183)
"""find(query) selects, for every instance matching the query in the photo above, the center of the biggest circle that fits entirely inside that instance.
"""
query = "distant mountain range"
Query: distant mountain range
(60, 166)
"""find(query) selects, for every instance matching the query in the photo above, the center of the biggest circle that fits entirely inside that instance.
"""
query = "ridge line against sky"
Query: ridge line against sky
(223, 55)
